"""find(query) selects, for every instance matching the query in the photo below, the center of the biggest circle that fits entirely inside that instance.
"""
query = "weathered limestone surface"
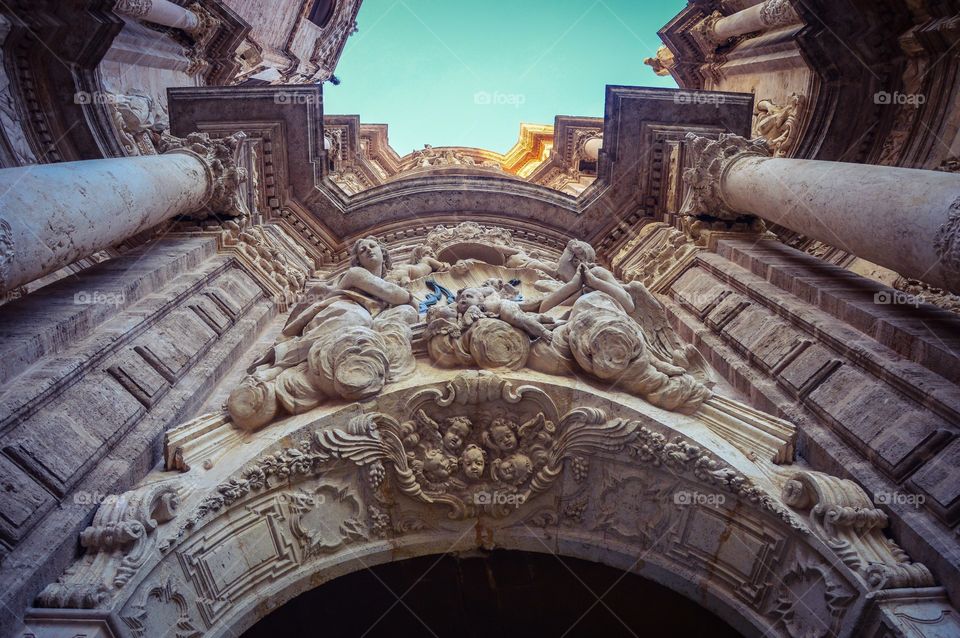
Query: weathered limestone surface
(120, 353)
(776, 324)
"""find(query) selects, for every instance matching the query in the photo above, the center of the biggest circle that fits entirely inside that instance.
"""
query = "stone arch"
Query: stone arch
(261, 517)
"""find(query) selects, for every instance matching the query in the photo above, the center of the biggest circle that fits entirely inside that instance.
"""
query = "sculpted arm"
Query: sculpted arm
(361, 279)
(561, 294)
(601, 279)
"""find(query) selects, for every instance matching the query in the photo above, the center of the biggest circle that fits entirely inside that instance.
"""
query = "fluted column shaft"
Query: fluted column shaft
(162, 12)
(53, 214)
(907, 220)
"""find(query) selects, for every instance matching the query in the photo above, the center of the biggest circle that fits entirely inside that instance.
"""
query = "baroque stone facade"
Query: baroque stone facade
(710, 338)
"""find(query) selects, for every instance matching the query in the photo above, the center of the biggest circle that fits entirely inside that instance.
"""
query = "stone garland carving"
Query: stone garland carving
(926, 292)
(347, 339)
(614, 332)
(443, 237)
(711, 159)
(778, 13)
(682, 456)
(841, 514)
(481, 445)
(469, 455)
(221, 158)
(778, 124)
(117, 544)
(263, 250)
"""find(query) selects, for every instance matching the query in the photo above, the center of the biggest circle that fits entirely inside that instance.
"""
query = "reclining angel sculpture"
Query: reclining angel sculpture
(345, 340)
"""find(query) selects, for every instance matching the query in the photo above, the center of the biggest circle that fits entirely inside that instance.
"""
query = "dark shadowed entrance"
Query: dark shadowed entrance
(503, 594)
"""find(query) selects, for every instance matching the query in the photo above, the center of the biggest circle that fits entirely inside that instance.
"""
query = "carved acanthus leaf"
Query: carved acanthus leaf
(685, 457)
(221, 156)
(711, 158)
(842, 515)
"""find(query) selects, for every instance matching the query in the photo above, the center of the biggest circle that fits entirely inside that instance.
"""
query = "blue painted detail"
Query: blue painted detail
(437, 293)
(516, 284)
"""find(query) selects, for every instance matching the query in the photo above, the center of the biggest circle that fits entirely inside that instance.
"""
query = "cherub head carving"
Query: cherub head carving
(501, 435)
(372, 254)
(513, 470)
(458, 427)
(469, 297)
(473, 461)
(438, 466)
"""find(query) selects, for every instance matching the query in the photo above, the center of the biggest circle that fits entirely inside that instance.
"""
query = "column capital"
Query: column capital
(711, 159)
(706, 31)
(778, 13)
(220, 156)
(133, 8)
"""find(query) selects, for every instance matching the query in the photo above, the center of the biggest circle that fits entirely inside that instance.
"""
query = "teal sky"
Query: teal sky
(459, 73)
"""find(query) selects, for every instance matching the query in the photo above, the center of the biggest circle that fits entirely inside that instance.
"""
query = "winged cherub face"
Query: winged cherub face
(458, 428)
(503, 436)
(473, 460)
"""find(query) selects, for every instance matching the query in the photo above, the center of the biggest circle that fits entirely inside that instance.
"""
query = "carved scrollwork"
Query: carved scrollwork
(117, 544)
(484, 447)
(841, 514)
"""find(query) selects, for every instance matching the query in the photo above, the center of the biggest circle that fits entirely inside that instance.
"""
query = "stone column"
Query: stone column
(162, 12)
(765, 16)
(905, 219)
(53, 214)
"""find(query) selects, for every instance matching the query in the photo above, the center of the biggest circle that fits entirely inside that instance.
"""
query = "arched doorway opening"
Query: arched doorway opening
(505, 594)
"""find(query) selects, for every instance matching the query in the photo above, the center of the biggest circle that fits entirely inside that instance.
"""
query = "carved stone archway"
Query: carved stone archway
(239, 523)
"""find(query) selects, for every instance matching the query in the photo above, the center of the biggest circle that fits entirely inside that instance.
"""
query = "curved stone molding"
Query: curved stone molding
(711, 159)
(841, 513)
(118, 543)
(220, 156)
(473, 460)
